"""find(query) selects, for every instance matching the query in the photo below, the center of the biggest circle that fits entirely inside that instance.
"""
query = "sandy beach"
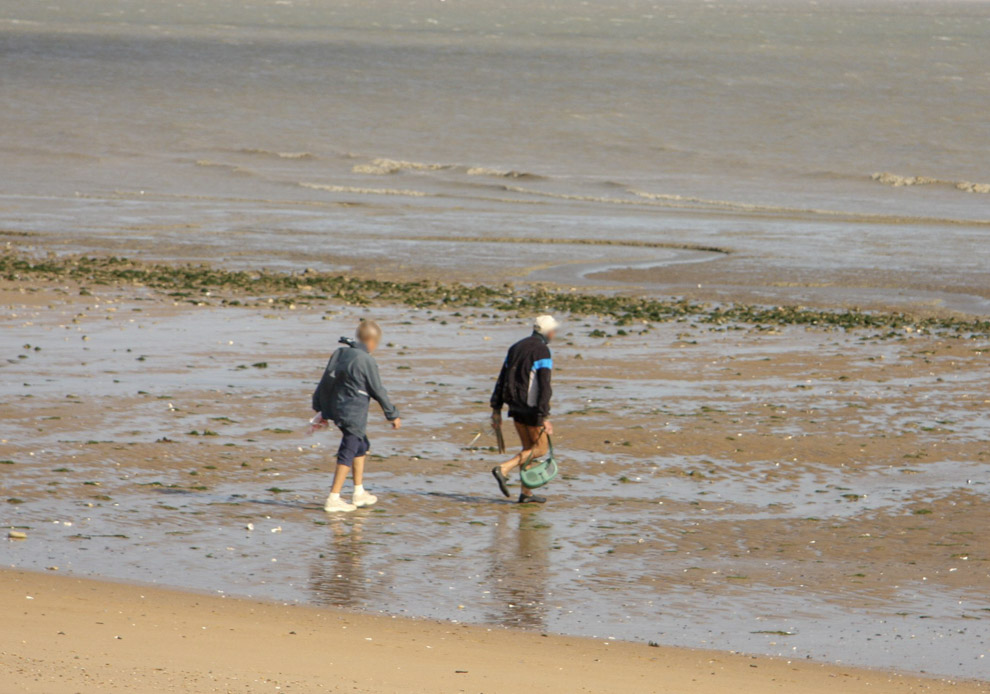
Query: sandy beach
(65, 635)
(762, 224)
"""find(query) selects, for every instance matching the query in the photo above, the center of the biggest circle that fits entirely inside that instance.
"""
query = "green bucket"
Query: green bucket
(536, 473)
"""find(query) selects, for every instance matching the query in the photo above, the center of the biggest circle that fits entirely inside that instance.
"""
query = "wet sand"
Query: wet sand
(747, 279)
(64, 635)
(764, 266)
(800, 492)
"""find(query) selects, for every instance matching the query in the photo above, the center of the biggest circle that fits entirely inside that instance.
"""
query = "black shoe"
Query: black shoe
(503, 483)
(532, 499)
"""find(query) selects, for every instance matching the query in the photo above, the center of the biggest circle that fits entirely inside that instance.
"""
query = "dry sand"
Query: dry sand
(67, 635)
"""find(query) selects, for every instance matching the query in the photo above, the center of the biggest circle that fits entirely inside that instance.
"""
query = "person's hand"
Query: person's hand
(397, 423)
(317, 423)
(496, 418)
(548, 427)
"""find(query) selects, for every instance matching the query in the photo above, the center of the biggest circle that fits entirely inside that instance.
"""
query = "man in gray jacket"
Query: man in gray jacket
(343, 396)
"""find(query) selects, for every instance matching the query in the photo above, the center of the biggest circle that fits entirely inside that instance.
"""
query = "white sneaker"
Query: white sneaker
(363, 498)
(337, 505)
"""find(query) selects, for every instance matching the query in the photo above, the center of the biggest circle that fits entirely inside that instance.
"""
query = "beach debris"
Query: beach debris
(499, 438)
(277, 529)
(249, 526)
(17, 535)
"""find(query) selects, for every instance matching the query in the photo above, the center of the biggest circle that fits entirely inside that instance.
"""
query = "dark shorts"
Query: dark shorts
(529, 416)
(352, 447)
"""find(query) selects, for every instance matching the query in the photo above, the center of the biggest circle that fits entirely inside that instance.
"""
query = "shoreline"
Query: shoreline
(203, 285)
(63, 633)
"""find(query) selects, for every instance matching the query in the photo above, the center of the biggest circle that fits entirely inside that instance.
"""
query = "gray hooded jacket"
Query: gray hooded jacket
(349, 383)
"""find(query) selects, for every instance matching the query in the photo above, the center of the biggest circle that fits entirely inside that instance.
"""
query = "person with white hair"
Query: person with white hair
(524, 385)
(350, 382)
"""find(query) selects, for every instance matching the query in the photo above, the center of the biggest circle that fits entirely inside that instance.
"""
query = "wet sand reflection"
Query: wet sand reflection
(337, 576)
(519, 568)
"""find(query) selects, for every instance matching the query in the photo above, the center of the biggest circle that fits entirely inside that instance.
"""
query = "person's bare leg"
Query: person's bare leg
(538, 447)
(359, 471)
(340, 476)
(519, 458)
(532, 444)
(541, 442)
(361, 496)
(334, 503)
(512, 463)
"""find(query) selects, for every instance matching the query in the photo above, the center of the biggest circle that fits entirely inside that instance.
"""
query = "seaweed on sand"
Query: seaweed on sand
(204, 283)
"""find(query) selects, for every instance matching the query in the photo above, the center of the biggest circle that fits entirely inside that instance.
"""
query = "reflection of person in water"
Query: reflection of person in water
(337, 577)
(519, 571)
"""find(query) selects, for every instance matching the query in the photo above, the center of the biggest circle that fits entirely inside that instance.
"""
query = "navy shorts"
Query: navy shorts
(352, 447)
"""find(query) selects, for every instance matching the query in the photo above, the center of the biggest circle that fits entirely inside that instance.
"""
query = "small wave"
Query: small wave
(667, 200)
(892, 179)
(384, 167)
(277, 155)
(572, 196)
(499, 173)
(62, 153)
(556, 241)
(897, 181)
(233, 168)
(708, 202)
(683, 202)
(364, 191)
(650, 199)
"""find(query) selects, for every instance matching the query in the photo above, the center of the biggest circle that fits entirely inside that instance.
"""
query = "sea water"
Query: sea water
(803, 136)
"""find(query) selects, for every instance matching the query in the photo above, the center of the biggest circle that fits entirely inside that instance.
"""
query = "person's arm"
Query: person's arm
(316, 398)
(497, 394)
(544, 369)
(377, 391)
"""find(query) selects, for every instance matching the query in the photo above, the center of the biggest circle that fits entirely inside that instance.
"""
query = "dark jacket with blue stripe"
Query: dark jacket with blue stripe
(524, 382)
(349, 383)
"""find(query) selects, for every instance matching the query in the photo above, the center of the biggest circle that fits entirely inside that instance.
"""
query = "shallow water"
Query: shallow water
(439, 550)
(800, 551)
